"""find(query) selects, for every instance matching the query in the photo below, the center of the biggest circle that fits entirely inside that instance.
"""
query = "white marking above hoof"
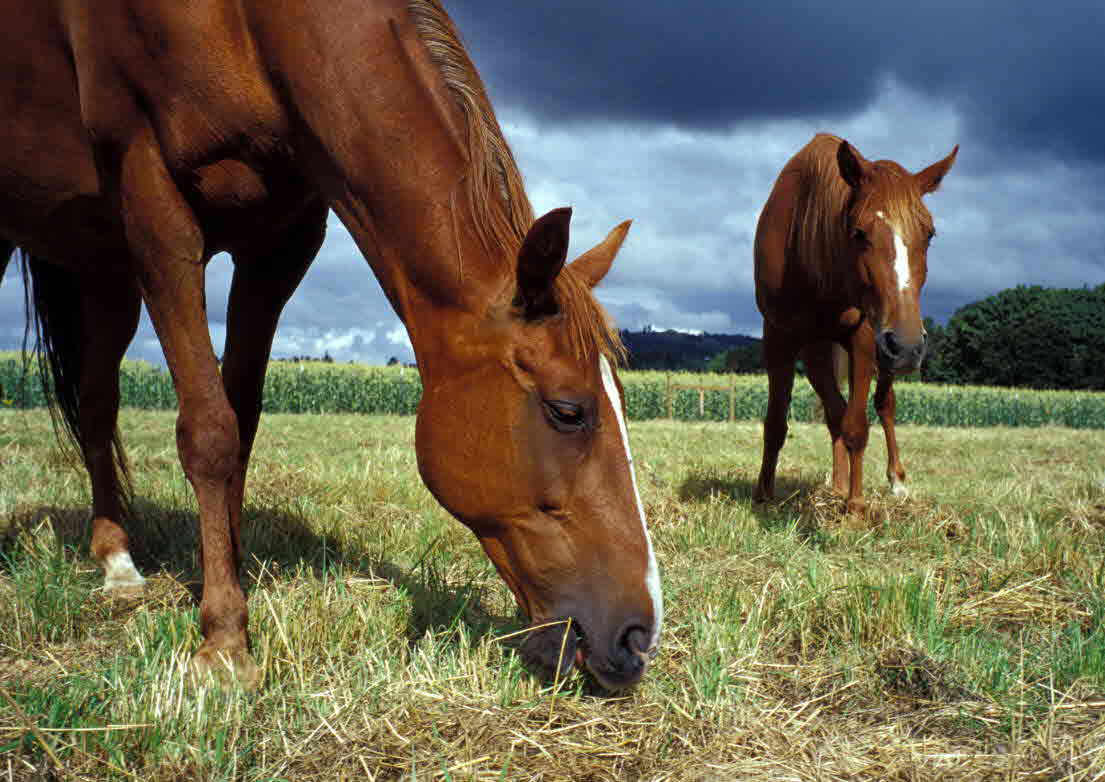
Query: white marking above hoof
(120, 572)
(898, 488)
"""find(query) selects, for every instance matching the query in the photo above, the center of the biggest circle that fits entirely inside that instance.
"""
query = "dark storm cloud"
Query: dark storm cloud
(1024, 75)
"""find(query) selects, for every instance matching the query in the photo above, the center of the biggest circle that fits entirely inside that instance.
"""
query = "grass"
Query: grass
(956, 635)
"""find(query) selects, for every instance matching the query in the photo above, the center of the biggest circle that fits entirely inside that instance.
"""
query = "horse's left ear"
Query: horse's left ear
(853, 166)
(930, 179)
(593, 265)
(540, 259)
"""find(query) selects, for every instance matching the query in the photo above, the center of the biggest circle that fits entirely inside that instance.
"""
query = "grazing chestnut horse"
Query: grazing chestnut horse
(141, 137)
(840, 252)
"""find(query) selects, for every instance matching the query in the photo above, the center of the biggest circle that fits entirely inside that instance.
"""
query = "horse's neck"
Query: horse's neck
(383, 143)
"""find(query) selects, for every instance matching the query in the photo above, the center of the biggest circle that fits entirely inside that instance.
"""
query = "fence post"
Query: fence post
(701, 402)
(732, 403)
(667, 395)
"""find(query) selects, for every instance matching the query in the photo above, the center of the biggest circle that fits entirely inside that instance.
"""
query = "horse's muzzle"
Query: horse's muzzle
(551, 650)
(626, 662)
(899, 355)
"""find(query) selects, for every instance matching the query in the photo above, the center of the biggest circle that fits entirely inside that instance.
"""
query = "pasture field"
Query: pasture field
(317, 387)
(959, 634)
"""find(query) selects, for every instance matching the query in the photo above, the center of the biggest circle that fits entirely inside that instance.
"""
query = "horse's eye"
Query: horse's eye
(931, 236)
(565, 416)
(860, 236)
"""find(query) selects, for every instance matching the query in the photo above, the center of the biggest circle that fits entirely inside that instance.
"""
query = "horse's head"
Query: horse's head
(889, 229)
(524, 440)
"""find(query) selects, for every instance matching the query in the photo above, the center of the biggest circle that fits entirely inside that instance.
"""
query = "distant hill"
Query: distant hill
(677, 350)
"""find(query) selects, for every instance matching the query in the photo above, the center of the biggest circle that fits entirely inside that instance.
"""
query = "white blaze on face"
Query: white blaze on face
(652, 574)
(901, 256)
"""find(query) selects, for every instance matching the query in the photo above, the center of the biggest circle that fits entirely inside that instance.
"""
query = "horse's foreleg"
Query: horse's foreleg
(885, 406)
(260, 288)
(110, 307)
(168, 248)
(854, 429)
(821, 373)
(779, 359)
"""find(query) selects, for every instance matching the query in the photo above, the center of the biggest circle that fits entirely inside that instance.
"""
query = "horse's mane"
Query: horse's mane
(819, 229)
(493, 190)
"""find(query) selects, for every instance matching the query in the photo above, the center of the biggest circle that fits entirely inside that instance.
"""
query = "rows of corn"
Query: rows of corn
(348, 388)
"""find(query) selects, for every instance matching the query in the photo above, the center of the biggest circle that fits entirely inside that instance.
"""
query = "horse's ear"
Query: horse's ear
(853, 166)
(930, 179)
(593, 265)
(540, 259)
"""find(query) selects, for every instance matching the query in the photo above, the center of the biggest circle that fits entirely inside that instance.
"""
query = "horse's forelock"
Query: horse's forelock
(899, 198)
(591, 330)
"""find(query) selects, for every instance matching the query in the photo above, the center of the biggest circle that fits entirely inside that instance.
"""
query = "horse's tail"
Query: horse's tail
(7, 249)
(53, 306)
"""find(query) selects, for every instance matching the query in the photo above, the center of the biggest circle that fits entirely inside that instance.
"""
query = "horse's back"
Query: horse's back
(187, 76)
(785, 287)
(772, 246)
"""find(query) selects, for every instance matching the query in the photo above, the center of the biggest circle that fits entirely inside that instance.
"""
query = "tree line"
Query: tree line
(1028, 336)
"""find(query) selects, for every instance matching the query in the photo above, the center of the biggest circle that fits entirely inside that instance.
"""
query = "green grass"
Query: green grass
(315, 387)
(956, 635)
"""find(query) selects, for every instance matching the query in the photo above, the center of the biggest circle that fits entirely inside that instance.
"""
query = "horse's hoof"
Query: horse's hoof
(225, 667)
(899, 489)
(121, 577)
(857, 508)
(760, 496)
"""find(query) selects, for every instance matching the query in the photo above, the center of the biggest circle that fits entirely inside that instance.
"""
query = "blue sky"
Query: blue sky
(680, 115)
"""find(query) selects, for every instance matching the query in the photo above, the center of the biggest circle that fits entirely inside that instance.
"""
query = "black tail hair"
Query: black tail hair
(53, 306)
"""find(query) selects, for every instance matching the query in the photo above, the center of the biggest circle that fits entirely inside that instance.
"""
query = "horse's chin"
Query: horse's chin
(553, 647)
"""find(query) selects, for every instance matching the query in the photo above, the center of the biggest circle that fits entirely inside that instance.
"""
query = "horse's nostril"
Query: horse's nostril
(890, 344)
(636, 640)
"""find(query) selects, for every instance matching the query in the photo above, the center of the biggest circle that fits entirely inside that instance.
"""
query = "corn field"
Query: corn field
(349, 388)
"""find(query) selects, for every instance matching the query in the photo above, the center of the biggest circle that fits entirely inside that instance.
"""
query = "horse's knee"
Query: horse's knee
(775, 433)
(208, 443)
(854, 436)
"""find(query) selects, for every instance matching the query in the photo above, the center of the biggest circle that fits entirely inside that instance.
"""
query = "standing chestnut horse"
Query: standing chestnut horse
(840, 252)
(141, 137)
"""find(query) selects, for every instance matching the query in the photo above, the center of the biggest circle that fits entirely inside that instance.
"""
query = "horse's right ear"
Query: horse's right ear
(540, 259)
(853, 166)
(593, 265)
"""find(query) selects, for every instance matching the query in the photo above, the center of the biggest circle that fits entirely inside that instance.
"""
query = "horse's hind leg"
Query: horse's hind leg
(885, 405)
(821, 372)
(260, 288)
(109, 314)
(779, 357)
(83, 325)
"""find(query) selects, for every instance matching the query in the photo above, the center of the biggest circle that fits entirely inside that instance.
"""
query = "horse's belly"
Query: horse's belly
(241, 207)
